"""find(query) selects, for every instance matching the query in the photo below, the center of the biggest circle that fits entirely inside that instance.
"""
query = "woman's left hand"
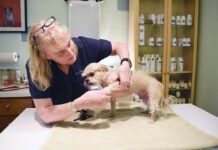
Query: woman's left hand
(125, 75)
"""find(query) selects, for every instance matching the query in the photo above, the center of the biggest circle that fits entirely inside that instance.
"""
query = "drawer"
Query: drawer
(4, 122)
(14, 107)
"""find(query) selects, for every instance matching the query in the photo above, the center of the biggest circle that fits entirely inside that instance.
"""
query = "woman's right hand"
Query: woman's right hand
(94, 99)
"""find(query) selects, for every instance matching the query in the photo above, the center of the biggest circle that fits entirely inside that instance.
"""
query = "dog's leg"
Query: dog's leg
(153, 105)
(113, 107)
(153, 117)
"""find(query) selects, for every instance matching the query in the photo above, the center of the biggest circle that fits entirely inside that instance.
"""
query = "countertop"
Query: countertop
(15, 93)
(28, 132)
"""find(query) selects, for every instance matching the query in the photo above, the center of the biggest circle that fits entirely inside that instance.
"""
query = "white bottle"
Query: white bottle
(158, 64)
(188, 41)
(189, 20)
(141, 29)
(148, 63)
(183, 20)
(151, 41)
(178, 20)
(162, 18)
(152, 66)
(173, 20)
(180, 64)
(143, 63)
(141, 19)
(141, 35)
(153, 18)
(174, 42)
(173, 64)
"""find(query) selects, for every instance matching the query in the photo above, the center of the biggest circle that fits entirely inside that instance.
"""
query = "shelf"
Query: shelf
(181, 47)
(150, 46)
(150, 73)
(154, 73)
(181, 89)
(181, 72)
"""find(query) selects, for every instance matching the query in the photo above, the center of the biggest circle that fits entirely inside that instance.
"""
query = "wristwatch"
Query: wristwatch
(128, 60)
(73, 107)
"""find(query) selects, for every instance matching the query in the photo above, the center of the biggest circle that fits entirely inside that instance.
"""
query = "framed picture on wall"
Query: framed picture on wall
(13, 16)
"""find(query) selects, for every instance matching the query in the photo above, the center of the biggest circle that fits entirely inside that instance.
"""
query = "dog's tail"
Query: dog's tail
(166, 101)
(164, 105)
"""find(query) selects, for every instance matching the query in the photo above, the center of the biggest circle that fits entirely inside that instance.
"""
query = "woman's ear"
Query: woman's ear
(44, 55)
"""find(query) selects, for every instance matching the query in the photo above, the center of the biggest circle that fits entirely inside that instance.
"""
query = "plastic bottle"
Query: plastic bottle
(141, 30)
(158, 64)
(180, 64)
(189, 20)
(152, 66)
(173, 64)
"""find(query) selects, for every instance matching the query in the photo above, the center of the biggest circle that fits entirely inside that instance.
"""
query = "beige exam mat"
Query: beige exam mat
(128, 130)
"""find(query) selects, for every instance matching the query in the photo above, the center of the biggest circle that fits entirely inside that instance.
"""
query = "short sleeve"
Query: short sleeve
(96, 49)
(35, 92)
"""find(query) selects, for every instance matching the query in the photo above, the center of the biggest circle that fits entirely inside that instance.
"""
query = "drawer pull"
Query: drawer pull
(8, 106)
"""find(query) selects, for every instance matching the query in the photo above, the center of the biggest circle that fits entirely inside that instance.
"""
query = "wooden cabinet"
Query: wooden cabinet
(163, 43)
(10, 108)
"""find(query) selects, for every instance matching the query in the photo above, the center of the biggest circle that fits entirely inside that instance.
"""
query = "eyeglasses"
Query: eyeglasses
(47, 23)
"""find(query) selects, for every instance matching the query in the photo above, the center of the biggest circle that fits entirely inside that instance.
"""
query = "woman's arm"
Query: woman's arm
(90, 100)
(52, 113)
(121, 50)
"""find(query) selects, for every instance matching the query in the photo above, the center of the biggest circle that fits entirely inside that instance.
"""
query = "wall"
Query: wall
(114, 25)
(207, 70)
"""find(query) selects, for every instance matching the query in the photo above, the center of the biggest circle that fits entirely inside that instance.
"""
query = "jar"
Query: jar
(5, 77)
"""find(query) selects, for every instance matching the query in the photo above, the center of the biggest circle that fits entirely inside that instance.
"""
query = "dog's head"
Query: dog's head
(94, 74)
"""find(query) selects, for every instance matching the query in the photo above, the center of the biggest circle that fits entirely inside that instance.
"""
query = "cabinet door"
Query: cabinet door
(10, 108)
(13, 107)
(181, 54)
(149, 23)
(5, 121)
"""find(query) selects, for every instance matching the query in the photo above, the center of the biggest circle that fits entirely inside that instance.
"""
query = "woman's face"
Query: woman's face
(62, 50)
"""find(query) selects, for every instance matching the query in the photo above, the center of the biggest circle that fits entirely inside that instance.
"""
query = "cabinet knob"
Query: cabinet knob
(8, 106)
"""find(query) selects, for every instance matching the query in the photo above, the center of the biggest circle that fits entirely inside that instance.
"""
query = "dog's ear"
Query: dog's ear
(102, 68)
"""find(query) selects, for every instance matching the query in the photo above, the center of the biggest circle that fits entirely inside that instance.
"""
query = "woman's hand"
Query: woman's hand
(125, 75)
(94, 99)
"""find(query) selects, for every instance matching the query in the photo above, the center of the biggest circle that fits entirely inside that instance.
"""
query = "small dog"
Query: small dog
(9, 17)
(149, 89)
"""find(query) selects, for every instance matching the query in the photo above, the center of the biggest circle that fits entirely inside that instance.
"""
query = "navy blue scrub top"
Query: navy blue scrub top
(68, 87)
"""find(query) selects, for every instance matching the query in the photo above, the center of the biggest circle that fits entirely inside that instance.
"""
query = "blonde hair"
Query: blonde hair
(39, 67)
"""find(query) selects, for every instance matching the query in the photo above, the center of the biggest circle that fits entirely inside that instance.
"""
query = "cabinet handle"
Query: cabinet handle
(8, 106)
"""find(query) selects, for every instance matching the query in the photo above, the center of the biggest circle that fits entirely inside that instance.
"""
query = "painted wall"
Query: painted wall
(114, 25)
(207, 70)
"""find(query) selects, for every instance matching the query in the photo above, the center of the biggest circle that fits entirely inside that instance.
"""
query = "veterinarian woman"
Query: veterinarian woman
(55, 66)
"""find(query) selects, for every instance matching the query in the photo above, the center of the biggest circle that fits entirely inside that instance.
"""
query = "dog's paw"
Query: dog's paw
(113, 86)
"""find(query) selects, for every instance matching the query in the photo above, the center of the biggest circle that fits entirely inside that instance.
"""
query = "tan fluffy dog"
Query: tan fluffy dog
(149, 89)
